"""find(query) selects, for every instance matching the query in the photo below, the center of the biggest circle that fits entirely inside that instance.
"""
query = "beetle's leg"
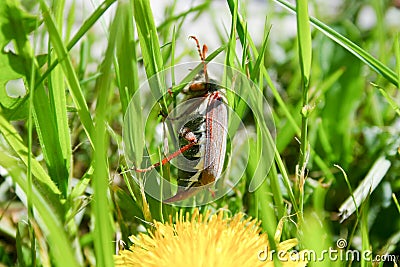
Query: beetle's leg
(185, 133)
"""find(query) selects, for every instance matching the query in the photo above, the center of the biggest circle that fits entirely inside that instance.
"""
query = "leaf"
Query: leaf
(350, 46)
(304, 39)
(365, 188)
(149, 43)
(12, 68)
(14, 140)
(69, 73)
(44, 209)
(8, 12)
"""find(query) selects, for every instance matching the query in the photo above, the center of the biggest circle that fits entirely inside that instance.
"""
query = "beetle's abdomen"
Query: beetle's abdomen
(189, 174)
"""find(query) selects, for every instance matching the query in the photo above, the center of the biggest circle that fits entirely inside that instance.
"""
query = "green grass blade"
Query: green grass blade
(61, 250)
(70, 75)
(356, 50)
(42, 181)
(29, 194)
(313, 228)
(173, 46)
(350, 189)
(59, 107)
(44, 119)
(397, 54)
(389, 99)
(305, 54)
(152, 58)
(172, 19)
(260, 59)
(149, 43)
(364, 228)
(18, 241)
(240, 29)
(396, 202)
(375, 175)
(126, 56)
(245, 38)
(49, 139)
(92, 19)
(103, 230)
(86, 26)
(289, 130)
(304, 39)
(231, 48)
(318, 160)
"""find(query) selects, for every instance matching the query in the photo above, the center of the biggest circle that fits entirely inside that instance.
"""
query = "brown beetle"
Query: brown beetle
(202, 139)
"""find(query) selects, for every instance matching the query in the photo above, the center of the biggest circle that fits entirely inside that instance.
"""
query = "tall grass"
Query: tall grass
(335, 106)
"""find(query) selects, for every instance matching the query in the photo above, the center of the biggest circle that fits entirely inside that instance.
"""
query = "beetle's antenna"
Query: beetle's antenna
(202, 54)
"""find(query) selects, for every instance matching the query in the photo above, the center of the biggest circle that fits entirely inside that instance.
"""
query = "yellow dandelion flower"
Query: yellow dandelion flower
(209, 240)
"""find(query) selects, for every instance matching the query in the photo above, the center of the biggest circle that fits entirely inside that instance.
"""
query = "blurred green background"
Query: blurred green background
(68, 70)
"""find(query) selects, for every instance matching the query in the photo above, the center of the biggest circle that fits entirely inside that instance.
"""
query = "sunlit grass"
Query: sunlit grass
(335, 105)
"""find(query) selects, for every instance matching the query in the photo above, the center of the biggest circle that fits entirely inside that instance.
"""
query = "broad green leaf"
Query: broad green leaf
(44, 119)
(9, 11)
(12, 66)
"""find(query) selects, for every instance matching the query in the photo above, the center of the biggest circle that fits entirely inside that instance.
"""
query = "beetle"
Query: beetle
(203, 137)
